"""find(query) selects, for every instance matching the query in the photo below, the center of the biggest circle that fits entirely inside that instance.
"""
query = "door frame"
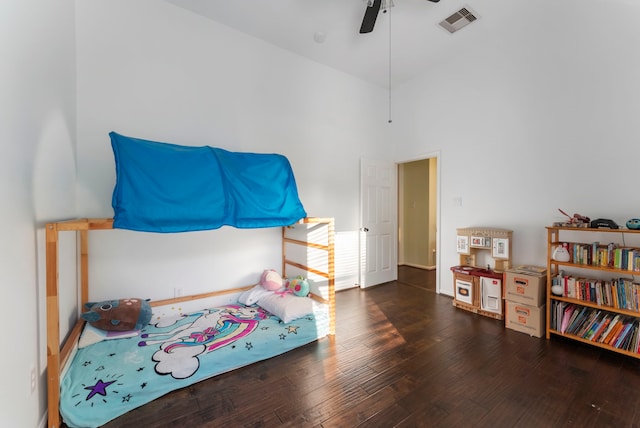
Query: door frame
(428, 155)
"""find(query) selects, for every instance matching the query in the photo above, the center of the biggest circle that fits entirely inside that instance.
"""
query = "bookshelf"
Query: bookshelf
(597, 298)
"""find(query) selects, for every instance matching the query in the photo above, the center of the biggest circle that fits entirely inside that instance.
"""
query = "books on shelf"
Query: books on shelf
(595, 308)
(620, 293)
(604, 255)
(596, 325)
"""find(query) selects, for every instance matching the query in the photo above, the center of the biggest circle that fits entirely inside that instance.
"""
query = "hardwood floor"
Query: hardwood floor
(404, 357)
(422, 278)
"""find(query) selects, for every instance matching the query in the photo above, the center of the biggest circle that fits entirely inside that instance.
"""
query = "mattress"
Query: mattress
(112, 377)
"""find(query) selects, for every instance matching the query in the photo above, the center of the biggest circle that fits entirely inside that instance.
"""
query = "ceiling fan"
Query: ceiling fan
(371, 13)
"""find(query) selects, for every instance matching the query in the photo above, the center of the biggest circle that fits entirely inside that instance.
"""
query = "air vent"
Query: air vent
(458, 20)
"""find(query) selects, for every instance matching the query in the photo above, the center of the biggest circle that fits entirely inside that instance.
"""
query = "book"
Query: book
(557, 315)
(577, 320)
(622, 335)
(628, 338)
(591, 319)
(601, 327)
(571, 287)
(615, 334)
(628, 343)
(611, 325)
(567, 316)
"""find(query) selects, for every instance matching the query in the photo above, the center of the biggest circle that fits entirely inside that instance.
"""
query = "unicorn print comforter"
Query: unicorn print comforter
(110, 378)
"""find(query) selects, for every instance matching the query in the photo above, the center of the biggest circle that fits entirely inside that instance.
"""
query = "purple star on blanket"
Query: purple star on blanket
(99, 388)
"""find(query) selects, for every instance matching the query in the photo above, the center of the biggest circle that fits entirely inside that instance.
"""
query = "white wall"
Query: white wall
(539, 117)
(37, 174)
(541, 114)
(151, 70)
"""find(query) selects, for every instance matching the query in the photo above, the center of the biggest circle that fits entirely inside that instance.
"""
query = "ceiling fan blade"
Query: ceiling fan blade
(370, 16)
(434, 1)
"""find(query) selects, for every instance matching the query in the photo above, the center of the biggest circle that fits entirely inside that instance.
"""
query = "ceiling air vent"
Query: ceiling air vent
(458, 20)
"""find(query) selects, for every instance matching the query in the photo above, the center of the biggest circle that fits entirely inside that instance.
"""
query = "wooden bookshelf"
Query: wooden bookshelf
(598, 284)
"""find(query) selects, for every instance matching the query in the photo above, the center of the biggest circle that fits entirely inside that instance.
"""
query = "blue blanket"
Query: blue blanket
(164, 187)
(110, 378)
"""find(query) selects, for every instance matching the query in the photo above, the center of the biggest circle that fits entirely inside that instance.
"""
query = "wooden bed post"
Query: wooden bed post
(84, 268)
(330, 272)
(53, 326)
(332, 277)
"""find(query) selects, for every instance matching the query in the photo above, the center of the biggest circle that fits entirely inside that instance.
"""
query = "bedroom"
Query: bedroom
(541, 102)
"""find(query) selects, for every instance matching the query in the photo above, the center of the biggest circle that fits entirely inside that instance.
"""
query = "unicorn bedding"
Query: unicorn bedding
(112, 377)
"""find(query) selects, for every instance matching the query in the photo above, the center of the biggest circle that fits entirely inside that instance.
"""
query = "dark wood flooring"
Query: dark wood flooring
(404, 357)
(421, 278)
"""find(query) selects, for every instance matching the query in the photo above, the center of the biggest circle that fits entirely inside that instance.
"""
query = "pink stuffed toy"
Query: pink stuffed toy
(271, 280)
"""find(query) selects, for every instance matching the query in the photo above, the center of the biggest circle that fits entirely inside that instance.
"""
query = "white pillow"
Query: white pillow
(287, 307)
(252, 295)
(91, 335)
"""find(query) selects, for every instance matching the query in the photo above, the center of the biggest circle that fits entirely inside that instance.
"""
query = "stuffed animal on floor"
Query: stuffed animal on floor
(118, 315)
(299, 286)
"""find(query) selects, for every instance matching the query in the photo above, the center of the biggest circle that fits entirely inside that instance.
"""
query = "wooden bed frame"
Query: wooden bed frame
(59, 355)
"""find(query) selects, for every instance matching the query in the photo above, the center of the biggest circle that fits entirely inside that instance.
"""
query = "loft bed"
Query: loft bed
(95, 374)
(315, 235)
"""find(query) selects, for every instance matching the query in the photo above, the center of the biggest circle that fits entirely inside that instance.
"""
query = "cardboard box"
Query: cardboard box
(525, 318)
(526, 284)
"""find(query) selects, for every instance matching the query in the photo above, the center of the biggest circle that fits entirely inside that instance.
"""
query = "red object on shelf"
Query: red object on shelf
(468, 270)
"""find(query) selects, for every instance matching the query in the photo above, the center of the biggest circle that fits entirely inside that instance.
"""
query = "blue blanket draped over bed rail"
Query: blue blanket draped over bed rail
(163, 187)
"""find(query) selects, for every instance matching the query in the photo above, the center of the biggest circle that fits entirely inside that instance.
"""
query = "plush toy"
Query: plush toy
(633, 223)
(271, 280)
(118, 315)
(298, 286)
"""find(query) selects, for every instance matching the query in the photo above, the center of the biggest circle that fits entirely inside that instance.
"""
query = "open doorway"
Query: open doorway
(418, 223)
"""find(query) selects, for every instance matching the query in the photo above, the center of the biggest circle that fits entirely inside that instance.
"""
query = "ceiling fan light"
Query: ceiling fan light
(385, 3)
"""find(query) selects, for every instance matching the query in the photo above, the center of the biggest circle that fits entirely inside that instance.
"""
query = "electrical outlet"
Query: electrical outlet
(177, 292)
(33, 379)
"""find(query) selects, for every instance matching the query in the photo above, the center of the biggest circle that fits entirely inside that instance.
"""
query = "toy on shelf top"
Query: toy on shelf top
(576, 221)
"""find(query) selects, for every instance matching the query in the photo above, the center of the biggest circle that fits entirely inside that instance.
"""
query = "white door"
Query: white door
(378, 222)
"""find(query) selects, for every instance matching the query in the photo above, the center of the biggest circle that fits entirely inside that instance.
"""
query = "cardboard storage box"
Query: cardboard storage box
(525, 318)
(526, 284)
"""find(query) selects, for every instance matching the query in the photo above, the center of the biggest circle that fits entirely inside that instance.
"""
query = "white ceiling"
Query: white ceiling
(417, 41)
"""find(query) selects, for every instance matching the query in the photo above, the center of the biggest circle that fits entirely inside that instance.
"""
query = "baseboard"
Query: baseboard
(417, 266)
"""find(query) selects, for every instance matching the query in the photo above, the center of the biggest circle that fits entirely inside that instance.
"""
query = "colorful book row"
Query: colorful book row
(610, 255)
(620, 293)
(616, 330)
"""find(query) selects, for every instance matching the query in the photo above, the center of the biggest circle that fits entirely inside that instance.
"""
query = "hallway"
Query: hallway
(421, 278)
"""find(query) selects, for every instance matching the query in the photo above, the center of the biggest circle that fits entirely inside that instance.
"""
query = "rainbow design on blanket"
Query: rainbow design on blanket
(211, 330)
(214, 338)
(112, 377)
